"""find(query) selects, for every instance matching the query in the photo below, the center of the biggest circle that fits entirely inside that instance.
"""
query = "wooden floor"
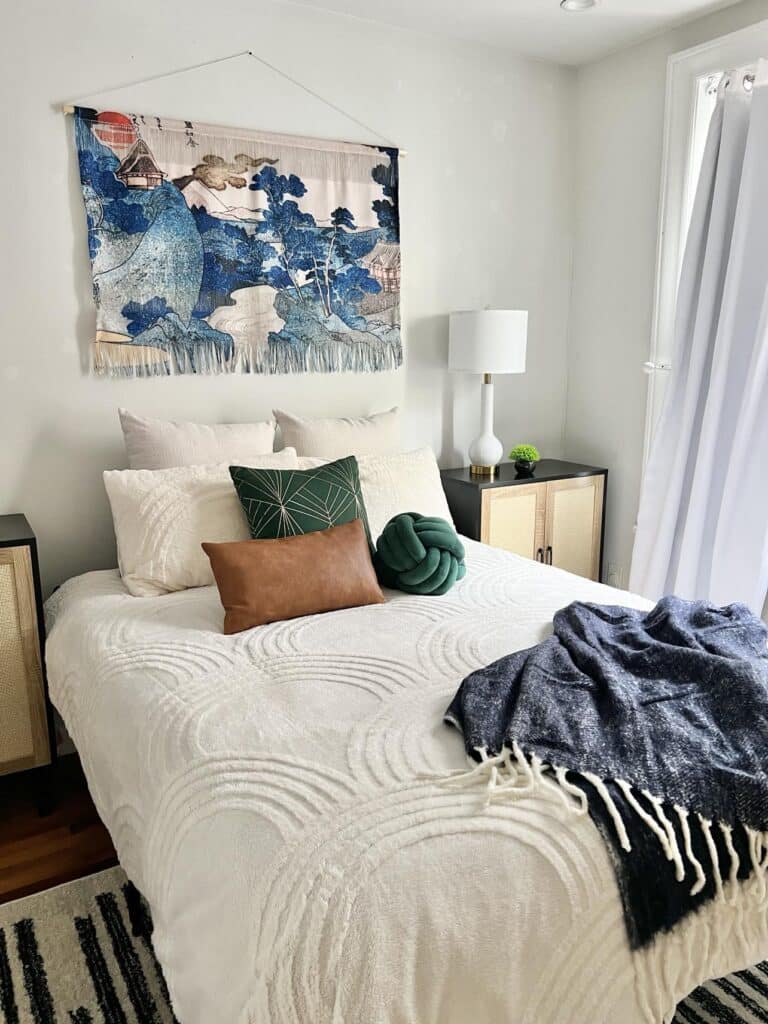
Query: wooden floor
(37, 851)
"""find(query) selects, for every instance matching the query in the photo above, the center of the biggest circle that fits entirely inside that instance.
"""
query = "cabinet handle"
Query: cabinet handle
(549, 554)
(540, 555)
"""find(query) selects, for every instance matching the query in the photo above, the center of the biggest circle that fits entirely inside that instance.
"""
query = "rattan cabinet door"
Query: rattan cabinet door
(512, 518)
(23, 730)
(574, 525)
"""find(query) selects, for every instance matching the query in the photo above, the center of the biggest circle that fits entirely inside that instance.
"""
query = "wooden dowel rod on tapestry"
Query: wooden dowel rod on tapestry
(69, 108)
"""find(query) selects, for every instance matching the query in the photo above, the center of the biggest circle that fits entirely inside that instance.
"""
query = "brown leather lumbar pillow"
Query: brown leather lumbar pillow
(264, 581)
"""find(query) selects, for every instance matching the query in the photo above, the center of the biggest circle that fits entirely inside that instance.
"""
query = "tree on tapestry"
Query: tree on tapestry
(344, 281)
(216, 251)
(386, 209)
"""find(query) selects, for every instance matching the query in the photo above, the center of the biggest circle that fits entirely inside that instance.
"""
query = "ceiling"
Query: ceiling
(537, 28)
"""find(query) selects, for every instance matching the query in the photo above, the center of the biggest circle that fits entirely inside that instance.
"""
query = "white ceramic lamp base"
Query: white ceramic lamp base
(486, 451)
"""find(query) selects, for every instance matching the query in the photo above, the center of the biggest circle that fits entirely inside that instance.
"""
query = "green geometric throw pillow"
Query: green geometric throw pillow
(287, 502)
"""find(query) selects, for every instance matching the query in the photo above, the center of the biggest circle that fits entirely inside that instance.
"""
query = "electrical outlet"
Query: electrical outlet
(615, 576)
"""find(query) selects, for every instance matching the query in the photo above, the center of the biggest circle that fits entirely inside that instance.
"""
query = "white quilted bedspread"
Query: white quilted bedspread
(270, 794)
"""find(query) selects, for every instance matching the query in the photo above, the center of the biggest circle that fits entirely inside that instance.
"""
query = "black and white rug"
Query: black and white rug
(70, 955)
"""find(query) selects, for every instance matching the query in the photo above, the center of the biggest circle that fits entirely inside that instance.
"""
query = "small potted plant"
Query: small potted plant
(525, 457)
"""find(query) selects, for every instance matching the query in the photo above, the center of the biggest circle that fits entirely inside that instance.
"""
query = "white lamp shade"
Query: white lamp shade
(488, 341)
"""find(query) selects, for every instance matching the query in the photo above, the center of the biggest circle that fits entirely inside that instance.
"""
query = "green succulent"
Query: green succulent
(524, 453)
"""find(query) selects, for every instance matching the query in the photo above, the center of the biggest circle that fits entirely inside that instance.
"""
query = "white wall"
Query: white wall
(619, 133)
(486, 219)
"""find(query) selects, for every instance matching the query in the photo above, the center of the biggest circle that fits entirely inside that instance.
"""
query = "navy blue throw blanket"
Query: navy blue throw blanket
(656, 724)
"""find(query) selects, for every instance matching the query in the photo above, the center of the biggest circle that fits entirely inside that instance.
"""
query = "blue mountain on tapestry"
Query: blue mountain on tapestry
(216, 250)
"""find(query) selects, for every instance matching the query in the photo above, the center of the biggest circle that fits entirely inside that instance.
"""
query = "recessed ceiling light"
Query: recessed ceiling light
(577, 5)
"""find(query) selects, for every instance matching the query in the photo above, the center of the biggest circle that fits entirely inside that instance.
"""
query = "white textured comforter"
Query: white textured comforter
(269, 793)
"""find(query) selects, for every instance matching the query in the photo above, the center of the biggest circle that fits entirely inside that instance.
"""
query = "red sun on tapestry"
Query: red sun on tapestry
(114, 130)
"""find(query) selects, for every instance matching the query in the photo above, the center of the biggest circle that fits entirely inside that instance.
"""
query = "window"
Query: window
(692, 80)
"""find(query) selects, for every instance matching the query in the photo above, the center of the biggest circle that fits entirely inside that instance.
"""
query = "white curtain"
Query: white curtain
(703, 521)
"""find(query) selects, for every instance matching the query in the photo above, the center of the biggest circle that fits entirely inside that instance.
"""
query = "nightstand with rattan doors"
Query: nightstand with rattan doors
(26, 722)
(556, 516)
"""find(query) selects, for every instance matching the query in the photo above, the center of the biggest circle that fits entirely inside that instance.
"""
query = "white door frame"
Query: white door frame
(684, 70)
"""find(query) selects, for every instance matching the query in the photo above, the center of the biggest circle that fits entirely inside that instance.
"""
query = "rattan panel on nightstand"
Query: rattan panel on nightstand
(23, 726)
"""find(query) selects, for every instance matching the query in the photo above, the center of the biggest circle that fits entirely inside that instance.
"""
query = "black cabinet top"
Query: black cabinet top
(15, 530)
(506, 474)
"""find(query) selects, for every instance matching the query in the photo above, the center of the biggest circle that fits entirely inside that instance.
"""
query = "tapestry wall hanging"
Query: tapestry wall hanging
(216, 250)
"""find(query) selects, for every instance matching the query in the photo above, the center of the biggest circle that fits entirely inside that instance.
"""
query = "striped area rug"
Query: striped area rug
(741, 997)
(70, 956)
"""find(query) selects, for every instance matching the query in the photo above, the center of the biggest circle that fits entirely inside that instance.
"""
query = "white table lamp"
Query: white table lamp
(488, 341)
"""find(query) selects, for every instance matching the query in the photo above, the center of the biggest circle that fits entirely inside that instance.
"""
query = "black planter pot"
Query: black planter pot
(525, 467)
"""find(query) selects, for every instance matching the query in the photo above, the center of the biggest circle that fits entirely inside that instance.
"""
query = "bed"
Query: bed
(278, 796)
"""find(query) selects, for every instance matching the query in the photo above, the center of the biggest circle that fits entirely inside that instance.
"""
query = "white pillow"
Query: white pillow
(161, 444)
(336, 438)
(406, 482)
(162, 516)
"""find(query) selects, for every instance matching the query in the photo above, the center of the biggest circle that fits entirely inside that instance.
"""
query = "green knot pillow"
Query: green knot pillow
(419, 554)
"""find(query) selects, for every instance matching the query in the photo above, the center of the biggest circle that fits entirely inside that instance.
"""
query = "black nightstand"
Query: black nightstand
(27, 738)
(556, 516)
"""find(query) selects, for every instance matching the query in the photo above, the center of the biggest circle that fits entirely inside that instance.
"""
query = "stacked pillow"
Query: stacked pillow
(178, 496)
(165, 444)
(162, 517)
(334, 438)
(419, 554)
(264, 581)
(289, 502)
(406, 482)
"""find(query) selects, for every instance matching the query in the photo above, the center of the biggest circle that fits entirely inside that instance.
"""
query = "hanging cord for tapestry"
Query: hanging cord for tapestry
(69, 108)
